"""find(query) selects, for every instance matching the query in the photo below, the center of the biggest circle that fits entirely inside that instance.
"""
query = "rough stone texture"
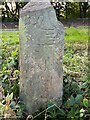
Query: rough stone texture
(41, 51)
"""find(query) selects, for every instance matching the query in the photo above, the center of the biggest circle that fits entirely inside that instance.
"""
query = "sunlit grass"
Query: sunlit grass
(72, 35)
(74, 67)
(76, 35)
(10, 37)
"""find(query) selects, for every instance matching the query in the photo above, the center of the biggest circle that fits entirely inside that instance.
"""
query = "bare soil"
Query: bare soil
(66, 23)
(9, 25)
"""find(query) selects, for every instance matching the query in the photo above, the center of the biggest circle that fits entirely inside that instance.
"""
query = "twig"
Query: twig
(44, 111)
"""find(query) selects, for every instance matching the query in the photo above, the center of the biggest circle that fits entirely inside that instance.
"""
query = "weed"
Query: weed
(76, 97)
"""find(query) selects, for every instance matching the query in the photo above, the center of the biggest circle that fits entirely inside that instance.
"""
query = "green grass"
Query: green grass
(10, 37)
(75, 52)
(76, 90)
(79, 35)
(72, 35)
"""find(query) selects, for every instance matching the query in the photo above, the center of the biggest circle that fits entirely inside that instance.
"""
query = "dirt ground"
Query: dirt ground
(9, 25)
(68, 23)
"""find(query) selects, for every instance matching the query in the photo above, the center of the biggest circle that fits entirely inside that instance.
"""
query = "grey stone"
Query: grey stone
(41, 56)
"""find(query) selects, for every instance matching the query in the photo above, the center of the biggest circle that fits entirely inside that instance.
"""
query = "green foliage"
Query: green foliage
(76, 96)
(8, 107)
(86, 102)
(66, 10)
(72, 10)
(11, 14)
(10, 70)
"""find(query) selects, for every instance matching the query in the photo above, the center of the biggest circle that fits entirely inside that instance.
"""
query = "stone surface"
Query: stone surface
(41, 52)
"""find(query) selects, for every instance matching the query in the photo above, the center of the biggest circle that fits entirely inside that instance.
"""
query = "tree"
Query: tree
(83, 6)
(59, 8)
(71, 10)
(10, 12)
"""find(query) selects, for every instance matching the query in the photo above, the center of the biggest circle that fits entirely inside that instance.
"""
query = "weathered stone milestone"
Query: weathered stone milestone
(41, 55)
